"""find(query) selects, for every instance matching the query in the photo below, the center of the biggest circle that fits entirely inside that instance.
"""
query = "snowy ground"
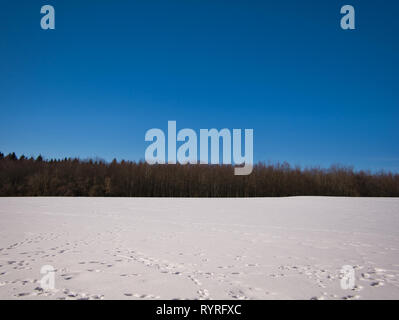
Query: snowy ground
(135, 248)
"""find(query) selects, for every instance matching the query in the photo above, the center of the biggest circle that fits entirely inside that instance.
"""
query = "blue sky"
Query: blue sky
(313, 93)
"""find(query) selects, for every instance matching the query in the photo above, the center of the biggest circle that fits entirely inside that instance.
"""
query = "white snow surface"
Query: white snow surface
(179, 248)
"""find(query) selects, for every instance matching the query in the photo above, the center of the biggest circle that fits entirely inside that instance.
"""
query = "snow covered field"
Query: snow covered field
(136, 248)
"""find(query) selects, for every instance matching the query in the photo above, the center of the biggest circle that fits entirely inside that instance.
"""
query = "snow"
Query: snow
(176, 248)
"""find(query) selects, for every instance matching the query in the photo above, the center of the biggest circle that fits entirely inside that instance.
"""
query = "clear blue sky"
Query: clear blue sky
(313, 93)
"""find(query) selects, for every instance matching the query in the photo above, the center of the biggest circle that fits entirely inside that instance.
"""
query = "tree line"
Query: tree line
(74, 177)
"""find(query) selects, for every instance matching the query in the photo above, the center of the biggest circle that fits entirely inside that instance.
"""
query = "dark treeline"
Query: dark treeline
(73, 177)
